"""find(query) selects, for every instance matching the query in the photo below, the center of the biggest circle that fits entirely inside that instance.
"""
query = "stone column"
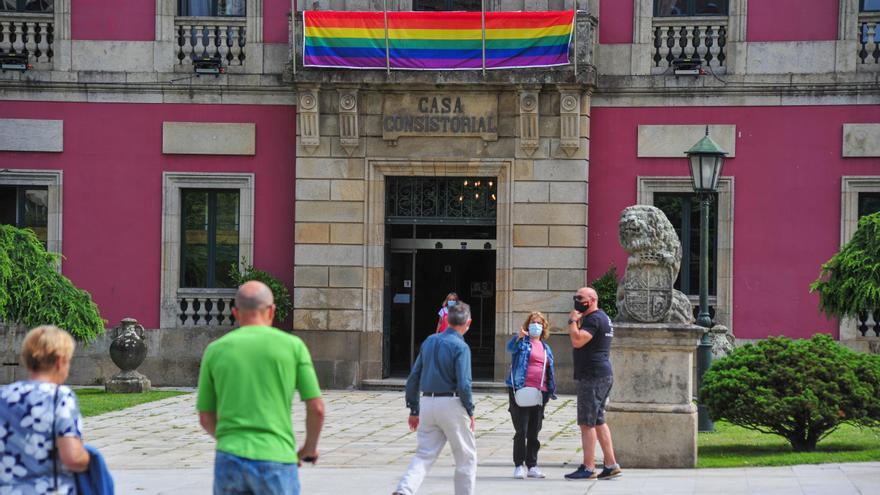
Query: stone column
(652, 416)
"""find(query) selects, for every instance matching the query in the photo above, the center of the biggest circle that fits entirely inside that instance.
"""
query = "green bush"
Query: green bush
(283, 304)
(849, 283)
(606, 287)
(799, 389)
(33, 292)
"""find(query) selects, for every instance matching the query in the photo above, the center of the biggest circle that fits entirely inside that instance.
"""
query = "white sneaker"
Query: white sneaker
(534, 472)
(519, 473)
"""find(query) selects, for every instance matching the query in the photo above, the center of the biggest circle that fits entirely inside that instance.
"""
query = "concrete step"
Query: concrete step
(400, 383)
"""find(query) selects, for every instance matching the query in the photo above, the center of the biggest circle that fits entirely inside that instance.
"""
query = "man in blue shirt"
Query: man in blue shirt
(442, 373)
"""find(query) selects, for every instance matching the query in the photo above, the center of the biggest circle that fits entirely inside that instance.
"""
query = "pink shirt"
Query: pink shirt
(537, 362)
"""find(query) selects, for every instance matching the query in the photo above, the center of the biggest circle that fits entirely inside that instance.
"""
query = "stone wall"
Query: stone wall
(173, 357)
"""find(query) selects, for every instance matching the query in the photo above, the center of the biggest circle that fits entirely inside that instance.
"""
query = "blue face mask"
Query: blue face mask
(450, 303)
(535, 330)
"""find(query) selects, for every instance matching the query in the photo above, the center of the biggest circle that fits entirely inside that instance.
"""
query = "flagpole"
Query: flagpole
(483, 25)
(574, 36)
(387, 50)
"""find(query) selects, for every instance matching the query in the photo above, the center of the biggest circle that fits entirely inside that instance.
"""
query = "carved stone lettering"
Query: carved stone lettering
(440, 114)
(647, 294)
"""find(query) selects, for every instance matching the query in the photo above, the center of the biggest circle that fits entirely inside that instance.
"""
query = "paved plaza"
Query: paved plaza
(159, 448)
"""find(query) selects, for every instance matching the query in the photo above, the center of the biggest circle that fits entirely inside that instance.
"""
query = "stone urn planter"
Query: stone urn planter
(128, 350)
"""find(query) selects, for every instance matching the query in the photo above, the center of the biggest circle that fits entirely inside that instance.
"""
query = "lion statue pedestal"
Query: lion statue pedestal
(651, 414)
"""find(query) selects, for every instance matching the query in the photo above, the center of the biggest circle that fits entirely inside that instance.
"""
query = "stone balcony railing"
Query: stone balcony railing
(868, 324)
(31, 35)
(581, 70)
(869, 41)
(205, 307)
(205, 38)
(690, 38)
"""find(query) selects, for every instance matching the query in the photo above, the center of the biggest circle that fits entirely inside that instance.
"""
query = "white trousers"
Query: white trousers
(443, 419)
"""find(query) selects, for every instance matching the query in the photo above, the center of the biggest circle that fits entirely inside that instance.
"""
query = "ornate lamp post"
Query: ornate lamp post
(706, 159)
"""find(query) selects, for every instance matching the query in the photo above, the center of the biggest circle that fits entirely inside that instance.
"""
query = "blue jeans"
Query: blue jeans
(235, 475)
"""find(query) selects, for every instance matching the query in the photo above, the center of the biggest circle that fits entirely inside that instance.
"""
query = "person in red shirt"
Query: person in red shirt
(450, 301)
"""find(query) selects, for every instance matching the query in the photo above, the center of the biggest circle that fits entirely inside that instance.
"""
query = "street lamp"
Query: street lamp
(706, 159)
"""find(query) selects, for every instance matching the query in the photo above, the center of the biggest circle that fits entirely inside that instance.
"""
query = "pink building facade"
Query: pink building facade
(113, 136)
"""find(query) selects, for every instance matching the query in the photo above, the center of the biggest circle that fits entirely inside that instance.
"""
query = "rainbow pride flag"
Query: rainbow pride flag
(436, 40)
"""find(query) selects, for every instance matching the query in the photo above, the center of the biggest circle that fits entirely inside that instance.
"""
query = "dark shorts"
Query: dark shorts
(592, 395)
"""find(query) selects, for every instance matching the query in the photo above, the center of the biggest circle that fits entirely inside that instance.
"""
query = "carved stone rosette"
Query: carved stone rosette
(569, 121)
(348, 119)
(309, 118)
(529, 136)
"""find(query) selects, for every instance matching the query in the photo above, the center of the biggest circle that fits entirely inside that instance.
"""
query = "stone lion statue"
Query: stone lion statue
(647, 293)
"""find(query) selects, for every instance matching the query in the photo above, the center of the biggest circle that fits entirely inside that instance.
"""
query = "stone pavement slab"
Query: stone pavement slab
(159, 448)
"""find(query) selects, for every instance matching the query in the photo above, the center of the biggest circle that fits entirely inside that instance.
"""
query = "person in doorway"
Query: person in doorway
(442, 373)
(41, 442)
(531, 366)
(246, 386)
(591, 333)
(450, 301)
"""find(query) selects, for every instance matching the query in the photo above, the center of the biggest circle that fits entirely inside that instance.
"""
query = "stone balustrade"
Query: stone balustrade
(205, 38)
(869, 41)
(205, 307)
(693, 37)
(868, 323)
(27, 34)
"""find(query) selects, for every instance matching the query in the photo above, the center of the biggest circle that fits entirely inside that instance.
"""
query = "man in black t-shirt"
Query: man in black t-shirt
(591, 334)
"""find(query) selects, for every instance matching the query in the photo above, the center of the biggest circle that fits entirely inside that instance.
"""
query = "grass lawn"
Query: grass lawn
(733, 446)
(94, 401)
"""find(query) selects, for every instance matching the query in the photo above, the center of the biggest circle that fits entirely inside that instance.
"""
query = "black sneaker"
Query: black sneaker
(582, 473)
(608, 473)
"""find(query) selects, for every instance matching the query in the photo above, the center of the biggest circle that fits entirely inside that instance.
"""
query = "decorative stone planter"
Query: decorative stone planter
(128, 350)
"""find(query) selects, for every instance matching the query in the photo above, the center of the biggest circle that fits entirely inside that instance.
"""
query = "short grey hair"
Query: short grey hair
(253, 295)
(459, 314)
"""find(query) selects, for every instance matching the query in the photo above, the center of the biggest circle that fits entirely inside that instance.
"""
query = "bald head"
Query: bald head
(589, 297)
(253, 295)
(254, 304)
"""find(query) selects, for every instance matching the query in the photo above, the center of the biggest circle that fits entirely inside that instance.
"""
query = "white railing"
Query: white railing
(205, 307)
(207, 38)
(27, 34)
(869, 41)
(690, 38)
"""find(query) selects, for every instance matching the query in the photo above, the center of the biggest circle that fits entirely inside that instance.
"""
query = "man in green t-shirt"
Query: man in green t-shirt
(246, 386)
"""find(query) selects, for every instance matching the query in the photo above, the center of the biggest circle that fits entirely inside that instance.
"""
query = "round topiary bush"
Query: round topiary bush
(799, 389)
(33, 292)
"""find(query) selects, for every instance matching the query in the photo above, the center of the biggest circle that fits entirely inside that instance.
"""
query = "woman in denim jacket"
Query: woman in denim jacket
(531, 366)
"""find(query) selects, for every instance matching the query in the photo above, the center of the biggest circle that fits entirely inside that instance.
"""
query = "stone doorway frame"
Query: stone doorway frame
(377, 170)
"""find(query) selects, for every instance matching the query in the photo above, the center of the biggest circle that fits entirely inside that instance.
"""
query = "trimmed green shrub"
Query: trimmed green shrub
(849, 283)
(801, 389)
(283, 304)
(33, 293)
(606, 287)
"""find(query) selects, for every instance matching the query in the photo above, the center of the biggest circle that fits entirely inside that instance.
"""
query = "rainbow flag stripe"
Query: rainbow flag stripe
(436, 40)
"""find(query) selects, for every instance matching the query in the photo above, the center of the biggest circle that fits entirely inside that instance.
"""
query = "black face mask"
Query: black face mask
(579, 306)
